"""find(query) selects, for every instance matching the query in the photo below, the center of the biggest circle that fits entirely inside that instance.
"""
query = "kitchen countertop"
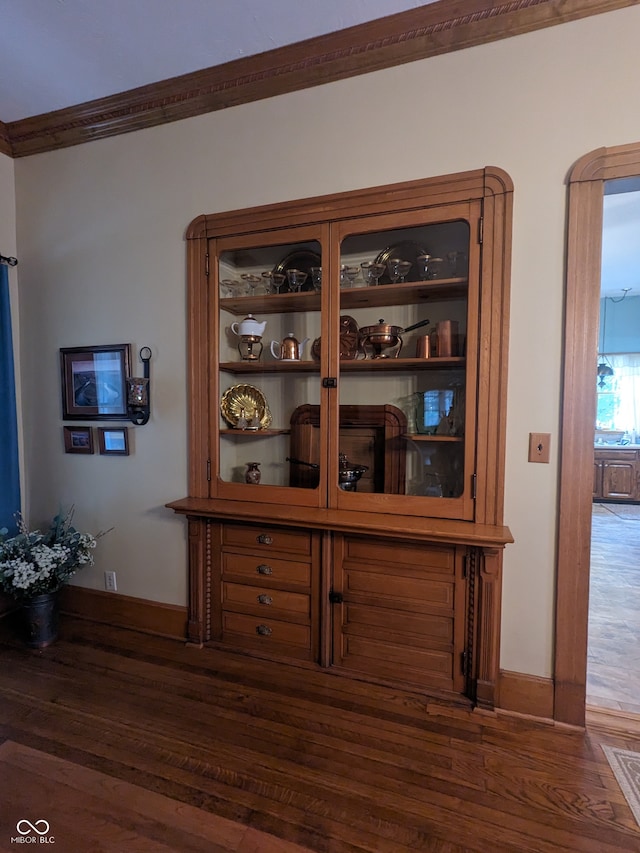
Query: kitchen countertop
(603, 446)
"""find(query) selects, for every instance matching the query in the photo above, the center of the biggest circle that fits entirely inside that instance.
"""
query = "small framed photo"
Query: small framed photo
(93, 382)
(113, 441)
(78, 439)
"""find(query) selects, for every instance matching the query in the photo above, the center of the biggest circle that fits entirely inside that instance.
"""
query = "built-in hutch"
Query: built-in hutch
(347, 372)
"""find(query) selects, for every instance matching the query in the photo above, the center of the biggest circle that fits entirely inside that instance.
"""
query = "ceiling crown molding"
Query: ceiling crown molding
(5, 143)
(440, 27)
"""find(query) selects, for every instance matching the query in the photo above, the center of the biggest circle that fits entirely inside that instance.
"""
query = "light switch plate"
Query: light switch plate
(539, 443)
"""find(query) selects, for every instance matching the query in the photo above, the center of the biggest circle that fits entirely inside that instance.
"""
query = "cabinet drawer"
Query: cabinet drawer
(265, 633)
(255, 599)
(266, 539)
(267, 569)
(378, 553)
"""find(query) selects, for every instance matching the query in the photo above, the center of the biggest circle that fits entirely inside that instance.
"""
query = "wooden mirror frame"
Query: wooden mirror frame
(578, 411)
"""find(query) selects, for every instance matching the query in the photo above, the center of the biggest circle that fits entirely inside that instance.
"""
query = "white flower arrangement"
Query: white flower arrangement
(34, 563)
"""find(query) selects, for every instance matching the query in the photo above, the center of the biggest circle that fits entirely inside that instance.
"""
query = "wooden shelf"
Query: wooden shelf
(260, 367)
(419, 436)
(393, 364)
(359, 365)
(409, 293)
(254, 433)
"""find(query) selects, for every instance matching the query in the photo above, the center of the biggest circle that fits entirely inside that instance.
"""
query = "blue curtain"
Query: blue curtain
(9, 470)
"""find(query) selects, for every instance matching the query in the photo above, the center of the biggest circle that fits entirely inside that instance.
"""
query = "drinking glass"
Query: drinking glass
(296, 279)
(403, 269)
(352, 274)
(316, 277)
(393, 268)
(348, 275)
(228, 287)
(457, 263)
(252, 282)
(423, 266)
(398, 269)
(371, 272)
(436, 268)
(275, 279)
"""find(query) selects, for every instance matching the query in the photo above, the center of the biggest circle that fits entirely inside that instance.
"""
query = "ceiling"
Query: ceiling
(59, 53)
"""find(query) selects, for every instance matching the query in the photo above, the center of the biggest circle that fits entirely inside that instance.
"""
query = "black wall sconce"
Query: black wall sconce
(138, 406)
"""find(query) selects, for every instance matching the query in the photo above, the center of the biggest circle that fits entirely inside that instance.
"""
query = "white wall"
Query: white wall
(101, 231)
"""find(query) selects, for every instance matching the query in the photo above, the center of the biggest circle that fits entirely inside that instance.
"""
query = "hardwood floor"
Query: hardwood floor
(305, 756)
(613, 664)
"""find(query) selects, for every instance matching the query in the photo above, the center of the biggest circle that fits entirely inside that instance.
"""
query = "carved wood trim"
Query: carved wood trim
(489, 581)
(582, 308)
(430, 30)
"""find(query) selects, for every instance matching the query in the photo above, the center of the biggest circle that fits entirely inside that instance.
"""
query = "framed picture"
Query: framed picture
(113, 441)
(93, 382)
(78, 439)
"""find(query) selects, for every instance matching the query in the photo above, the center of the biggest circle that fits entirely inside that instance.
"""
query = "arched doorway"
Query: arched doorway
(584, 246)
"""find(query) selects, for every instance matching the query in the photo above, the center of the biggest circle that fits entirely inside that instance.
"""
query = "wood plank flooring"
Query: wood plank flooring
(613, 665)
(307, 757)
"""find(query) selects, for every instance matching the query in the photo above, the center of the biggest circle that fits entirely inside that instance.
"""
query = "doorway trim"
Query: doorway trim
(578, 411)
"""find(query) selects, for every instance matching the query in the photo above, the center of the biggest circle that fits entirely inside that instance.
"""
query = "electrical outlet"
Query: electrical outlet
(110, 582)
(539, 446)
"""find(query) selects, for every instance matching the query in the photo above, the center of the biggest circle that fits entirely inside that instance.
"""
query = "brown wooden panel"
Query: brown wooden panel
(167, 620)
(276, 632)
(258, 601)
(377, 552)
(269, 571)
(266, 539)
(618, 479)
(401, 663)
(417, 627)
(407, 593)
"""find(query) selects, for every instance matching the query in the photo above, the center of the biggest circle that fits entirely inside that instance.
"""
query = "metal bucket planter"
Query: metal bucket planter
(40, 620)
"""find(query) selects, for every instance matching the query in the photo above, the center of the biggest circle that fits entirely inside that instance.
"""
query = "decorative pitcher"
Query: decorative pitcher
(289, 350)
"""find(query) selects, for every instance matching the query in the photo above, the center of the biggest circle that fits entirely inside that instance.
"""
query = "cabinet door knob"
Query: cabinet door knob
(265, 539)
(263, 569)
(263, 630)
(265, 599)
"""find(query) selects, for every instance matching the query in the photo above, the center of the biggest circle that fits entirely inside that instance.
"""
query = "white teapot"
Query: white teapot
(289, 349)
(249, 326)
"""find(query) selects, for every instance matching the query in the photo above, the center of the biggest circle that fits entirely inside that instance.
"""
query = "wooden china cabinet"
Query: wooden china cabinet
(349, 351)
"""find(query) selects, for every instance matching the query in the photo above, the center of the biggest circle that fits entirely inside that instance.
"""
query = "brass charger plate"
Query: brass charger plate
(406, 250)
(245, 399)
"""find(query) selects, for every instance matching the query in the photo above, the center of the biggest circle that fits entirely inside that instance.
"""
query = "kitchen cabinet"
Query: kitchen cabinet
(352, 350)
(616, 474)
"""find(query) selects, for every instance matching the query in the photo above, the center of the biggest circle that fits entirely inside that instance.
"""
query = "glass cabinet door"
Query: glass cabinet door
(407, 338)
(267, 322)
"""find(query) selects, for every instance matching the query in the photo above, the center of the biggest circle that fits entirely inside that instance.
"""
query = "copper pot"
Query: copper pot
(381, 336)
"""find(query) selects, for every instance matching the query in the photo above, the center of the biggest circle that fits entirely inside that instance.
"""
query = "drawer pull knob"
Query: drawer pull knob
(265, 599)
(264, 569)
(263, 630)
(265, 539)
